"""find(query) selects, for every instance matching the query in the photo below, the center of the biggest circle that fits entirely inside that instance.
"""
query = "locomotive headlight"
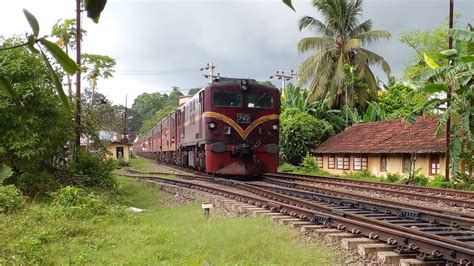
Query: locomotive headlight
(275, 127)
(212, 125)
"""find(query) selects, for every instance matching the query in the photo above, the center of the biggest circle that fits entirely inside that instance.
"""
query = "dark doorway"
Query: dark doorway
(119, 152)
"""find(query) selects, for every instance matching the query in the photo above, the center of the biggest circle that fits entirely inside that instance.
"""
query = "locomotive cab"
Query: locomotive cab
(241, 121)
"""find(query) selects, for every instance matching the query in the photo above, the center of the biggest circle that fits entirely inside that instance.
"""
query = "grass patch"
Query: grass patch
(293, 169)
(140, 164)
(161, 235)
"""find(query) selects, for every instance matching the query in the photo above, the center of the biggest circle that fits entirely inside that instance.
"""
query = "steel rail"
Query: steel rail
(389, 189)
(439, 191)
(404, 239)
(461, 219)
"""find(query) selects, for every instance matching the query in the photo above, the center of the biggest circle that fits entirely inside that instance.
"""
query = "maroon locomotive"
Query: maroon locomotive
(230, 127)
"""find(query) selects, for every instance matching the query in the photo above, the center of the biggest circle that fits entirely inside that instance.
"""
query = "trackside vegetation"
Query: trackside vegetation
(75, 226)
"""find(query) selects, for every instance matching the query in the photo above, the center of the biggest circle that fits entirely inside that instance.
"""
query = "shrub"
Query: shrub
(11, 199)
(76, 202)
(309, 163)
(392, 178)
(122, 163)
(299, 134)
(439, 182)
(91, 170)
(286, 167)
(420, 180)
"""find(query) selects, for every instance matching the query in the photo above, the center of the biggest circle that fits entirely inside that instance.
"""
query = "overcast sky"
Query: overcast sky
(159, 44)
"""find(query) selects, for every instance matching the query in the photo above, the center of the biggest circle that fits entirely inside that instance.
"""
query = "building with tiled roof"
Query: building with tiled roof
(392, 146)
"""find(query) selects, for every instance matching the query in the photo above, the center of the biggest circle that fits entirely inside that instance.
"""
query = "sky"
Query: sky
(159, 44)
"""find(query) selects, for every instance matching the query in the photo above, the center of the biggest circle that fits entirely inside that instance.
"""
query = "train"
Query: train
(229, 128)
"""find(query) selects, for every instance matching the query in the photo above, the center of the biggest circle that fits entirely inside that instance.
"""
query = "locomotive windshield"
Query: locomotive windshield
(227, 99)
(259, 100)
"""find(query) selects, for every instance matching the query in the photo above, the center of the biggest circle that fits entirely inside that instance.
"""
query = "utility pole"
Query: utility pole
(211, 68)
(449, 96)
(283, 77)
(125, 139)
(78, 74)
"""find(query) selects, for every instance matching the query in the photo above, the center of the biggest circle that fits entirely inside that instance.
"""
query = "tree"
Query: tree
(35, 131)
(297, 98)
(152, 121)
(193, 91)
(65, 31)
(400, 100)
(299, 134)
(97, 66)
(453, 70)
(423, 42)
(339, 52)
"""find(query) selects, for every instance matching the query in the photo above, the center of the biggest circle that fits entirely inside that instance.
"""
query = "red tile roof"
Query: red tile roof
(391, 136)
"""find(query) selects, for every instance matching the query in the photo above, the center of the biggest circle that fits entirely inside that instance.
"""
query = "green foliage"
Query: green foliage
(66, 63)
(423, 42)
(420, 180)
(362, 175)
(339, 58)
(299, 134)
(76, 202)
(295, 97)
(123, 163)
(193, 91)
(11, 199)
(400, 100)
(458, 77)
(392, 177)
(309, 163)
(94, 8)
(92, 170)
(42, 234)
(149, 123)
(287, 168)
(35, 130)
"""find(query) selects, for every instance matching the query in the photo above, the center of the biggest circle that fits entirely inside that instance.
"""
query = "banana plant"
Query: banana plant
(453, 70)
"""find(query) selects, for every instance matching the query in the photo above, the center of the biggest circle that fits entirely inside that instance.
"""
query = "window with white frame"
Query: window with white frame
(434, 165)
(331, 162)
(319, 161)
(360, 163)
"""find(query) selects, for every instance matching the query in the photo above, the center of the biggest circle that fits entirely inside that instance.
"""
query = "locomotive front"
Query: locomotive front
(241, 120)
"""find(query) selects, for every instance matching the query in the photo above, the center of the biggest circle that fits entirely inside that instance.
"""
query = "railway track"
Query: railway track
(410, 231)
(458, 198)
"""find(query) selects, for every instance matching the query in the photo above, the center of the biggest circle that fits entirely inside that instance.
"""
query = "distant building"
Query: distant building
(385, 147)
(119, 150)
(114, 143)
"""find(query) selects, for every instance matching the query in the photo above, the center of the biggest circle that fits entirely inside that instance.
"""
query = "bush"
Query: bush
(122, 163)
(287, 168)
(11, 199)
(392, 178)
(76, 202)
(309, 163)
(360, 175)
(420, 180)
(91, 170)
(299, 134)
(439, 182)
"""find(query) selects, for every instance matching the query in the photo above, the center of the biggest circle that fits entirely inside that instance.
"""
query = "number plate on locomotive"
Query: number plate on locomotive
(244, 118)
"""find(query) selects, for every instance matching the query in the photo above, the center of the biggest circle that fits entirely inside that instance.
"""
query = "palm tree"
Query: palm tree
(340, 58)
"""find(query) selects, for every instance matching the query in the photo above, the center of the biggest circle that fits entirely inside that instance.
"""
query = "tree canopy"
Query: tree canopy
(339, 52)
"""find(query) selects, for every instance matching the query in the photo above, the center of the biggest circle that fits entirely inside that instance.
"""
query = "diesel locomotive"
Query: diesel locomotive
(230, 127)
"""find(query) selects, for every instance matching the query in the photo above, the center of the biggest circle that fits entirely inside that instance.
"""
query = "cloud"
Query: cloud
(159, 44)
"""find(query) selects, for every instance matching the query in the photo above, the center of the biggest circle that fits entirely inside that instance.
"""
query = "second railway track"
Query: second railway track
(464, 199)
